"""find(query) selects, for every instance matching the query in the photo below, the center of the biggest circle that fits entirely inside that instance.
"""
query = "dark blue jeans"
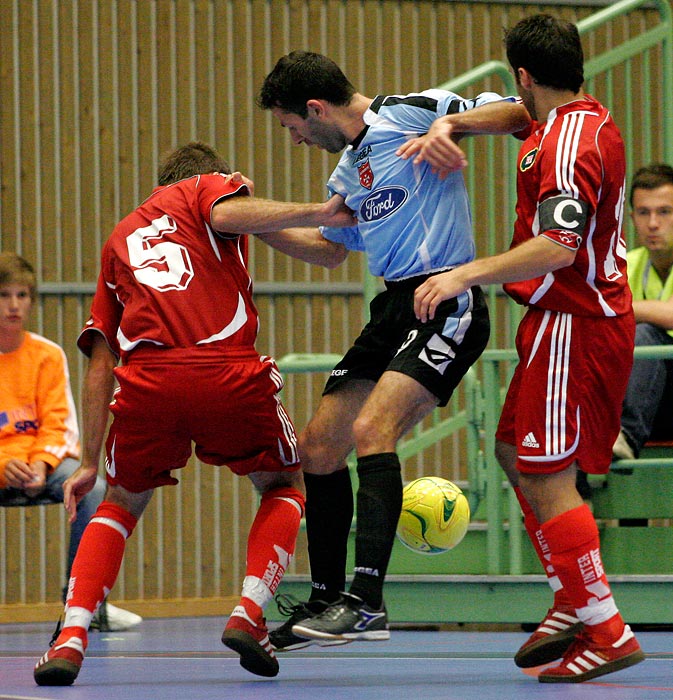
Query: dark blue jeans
(647, 411)
(86, 508)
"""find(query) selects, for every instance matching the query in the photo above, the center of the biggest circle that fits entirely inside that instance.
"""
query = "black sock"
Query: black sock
(379, 502)
(329, 515)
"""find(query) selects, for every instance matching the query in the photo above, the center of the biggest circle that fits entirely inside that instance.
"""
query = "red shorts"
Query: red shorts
(227, 405)
(564, 403)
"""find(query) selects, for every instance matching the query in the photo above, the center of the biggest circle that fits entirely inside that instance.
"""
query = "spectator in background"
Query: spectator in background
(647, 411)
(39, 437)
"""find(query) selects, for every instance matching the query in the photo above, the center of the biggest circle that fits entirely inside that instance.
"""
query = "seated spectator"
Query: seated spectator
(39, 436)
(647, 412)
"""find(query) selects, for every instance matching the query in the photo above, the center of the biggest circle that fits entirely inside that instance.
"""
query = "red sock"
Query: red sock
(99, 557)
(575, 555)
(530, 522)
(271, 544)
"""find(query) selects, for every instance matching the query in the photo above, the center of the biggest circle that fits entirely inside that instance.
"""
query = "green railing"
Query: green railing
(624, 55)
(603, 66)
(502, 505)
(470, 420)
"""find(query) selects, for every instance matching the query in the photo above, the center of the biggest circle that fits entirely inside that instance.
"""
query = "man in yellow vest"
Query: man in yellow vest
(648, 407)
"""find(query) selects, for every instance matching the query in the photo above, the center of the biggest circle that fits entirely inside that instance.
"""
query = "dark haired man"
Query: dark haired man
(646, 412)
(567, 265)
(412, 223)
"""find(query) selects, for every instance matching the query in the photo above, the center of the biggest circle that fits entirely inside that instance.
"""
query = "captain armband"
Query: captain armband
(562, 219)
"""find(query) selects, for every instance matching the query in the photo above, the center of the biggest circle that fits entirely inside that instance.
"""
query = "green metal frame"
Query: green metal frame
(496, 489)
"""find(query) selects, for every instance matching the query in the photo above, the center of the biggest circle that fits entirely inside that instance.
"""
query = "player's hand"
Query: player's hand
(237, 178)
(337, 213)
(436, 289)
(438, 148)
(76, 486)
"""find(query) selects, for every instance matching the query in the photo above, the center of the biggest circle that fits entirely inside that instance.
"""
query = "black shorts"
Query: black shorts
(437, 354)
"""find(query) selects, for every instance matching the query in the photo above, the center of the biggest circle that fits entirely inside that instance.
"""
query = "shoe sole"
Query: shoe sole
(254, 658)
(617, 665)
(368, 636)
(547, 649)
(56, 672)
(309, 642)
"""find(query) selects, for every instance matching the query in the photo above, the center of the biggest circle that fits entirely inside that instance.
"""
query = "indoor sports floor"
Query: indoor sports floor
(171, 659)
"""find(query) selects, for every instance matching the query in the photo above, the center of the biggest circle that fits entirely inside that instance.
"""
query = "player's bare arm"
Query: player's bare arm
(439, 147)
(533, 258)
(238, 178)
(97, 392)
(256, 215)
(654, 311)
(307, 244)
(502, 117)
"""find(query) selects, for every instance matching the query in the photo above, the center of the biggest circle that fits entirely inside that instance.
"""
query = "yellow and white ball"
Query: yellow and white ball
(435, 515)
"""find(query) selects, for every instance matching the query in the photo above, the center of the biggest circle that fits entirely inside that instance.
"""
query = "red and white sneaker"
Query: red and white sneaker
(250, 639)
(550, 640)
(585, 659)
(61, 664)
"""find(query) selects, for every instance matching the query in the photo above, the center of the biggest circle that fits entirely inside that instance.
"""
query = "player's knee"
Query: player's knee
(317, 456)
(506, 456)
(369, 437)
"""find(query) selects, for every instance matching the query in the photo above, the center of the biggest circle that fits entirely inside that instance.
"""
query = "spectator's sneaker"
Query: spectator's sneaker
(621, 449)
(349, 619)
(250, 640)
(61, 664)
(585, 659)
(282, 638)
(550, 640)
(57, 631)
(110, 618)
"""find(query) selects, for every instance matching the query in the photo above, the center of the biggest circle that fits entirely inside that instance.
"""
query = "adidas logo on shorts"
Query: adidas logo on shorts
(530, 441)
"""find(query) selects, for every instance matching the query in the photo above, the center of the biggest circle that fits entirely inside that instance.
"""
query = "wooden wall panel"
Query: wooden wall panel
(96, 91)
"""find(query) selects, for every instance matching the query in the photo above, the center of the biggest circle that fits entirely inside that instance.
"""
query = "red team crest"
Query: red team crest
(366, 175)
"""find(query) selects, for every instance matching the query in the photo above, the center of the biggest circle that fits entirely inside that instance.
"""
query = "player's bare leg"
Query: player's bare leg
(393, 407)
(328, 439)
(324, 446)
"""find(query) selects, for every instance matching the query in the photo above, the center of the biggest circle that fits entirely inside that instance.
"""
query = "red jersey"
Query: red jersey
(576, 163)
(168, 280)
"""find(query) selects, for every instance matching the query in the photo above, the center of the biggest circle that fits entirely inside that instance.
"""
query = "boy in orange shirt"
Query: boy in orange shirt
(39, 435)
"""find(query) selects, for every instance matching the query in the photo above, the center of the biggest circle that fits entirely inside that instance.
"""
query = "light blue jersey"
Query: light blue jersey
(410, 222)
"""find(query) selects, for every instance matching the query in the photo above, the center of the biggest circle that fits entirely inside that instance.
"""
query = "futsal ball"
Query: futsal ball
(435, 515)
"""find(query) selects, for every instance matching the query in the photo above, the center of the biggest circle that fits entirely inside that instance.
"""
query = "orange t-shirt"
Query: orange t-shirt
(38, 420)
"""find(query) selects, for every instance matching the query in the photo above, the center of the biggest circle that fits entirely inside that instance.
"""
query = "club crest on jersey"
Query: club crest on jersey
(366, 174)
(528, 160)
(382, 203)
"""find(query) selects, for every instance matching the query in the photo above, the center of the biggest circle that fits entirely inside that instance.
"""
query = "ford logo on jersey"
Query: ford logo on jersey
(382, 203)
